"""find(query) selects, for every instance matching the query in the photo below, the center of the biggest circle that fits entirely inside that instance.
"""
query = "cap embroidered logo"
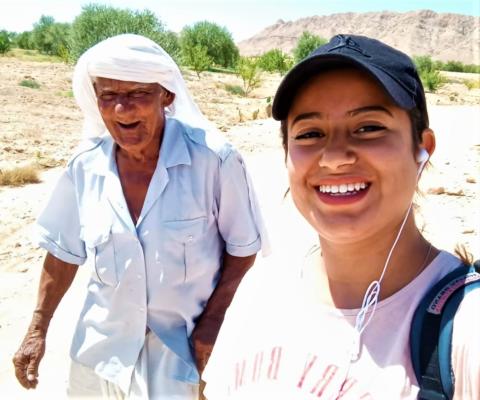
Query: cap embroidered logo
(348, 42)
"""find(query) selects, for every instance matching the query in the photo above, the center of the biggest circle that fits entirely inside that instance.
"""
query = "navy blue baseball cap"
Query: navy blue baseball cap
(392, 69)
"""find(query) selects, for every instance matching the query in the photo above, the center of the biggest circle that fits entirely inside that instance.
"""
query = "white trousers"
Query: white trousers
(149, 380)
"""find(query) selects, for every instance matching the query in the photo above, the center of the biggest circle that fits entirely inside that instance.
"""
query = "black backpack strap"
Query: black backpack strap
(432, 329)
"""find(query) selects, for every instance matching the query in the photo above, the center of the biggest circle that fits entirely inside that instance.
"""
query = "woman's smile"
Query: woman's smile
(348, 192)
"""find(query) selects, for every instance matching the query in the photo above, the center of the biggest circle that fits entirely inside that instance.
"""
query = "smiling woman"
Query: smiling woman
(336, 323)
(343, 129)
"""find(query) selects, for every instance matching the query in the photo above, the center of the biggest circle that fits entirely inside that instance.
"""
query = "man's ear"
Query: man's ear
(167, 97)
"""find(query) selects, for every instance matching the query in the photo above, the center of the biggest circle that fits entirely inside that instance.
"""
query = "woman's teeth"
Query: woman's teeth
(343, 188)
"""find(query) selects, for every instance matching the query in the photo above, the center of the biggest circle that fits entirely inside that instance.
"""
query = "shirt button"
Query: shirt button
(141, 309)
(139, 276)
(190, 238)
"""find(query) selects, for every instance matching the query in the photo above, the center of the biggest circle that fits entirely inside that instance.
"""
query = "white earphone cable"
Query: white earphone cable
(370, 299)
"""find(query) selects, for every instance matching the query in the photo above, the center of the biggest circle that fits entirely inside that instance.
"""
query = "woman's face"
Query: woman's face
(350, 159)
(133, 112)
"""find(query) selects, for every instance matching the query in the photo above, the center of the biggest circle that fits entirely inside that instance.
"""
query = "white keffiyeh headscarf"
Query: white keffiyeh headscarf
(132, 58)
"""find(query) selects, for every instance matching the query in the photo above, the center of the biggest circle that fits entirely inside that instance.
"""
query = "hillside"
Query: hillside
(442, 36)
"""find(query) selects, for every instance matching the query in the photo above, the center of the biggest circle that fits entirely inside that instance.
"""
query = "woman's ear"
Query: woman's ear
(428, 141)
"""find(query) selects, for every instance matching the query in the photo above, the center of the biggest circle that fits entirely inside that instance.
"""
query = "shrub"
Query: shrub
(426, 63)
(5, 42)
(306, 44)
(234, 89)
(98, 22)
(217, 40)
(275, 61)
(454, 66)
(19, 176)
(432, 80)
(66, 93)
(197, 58)
(428, 72)
(423, 64)
(471, 84)
(250, 73)
(30, 83)
(471, 68)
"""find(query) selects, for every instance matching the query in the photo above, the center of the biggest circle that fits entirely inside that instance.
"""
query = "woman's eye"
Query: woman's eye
(309, 135)
(370, 128)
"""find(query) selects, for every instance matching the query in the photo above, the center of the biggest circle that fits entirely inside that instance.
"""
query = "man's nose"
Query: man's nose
(122, 104)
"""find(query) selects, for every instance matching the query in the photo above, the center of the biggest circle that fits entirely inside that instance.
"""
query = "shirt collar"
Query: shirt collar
(174, 150)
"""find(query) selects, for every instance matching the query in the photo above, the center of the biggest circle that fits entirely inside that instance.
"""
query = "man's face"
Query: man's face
(133, 112)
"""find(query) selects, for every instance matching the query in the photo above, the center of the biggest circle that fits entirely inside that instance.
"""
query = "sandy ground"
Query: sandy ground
(40, 126)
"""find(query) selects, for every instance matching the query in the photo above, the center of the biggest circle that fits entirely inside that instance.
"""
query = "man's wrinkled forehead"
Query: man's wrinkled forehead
(116, 85)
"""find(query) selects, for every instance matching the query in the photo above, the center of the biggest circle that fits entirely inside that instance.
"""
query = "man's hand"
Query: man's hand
(203, 338)
(55, 279)
(207, 327)
(27, 359)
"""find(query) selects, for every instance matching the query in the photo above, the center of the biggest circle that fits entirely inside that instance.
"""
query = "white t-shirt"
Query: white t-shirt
(277, 342)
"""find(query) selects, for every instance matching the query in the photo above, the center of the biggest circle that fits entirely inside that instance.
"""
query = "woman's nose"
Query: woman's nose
(335, 154)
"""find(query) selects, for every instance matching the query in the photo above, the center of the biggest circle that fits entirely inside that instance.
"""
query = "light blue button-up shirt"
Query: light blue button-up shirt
(160, 272)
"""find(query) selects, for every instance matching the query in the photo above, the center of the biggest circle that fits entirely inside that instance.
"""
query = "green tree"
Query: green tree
(24, 40)
(5, 42)
(98, 22)
(50, 37)
(217, 40)
(250, 73)
(170, 43)
(275, 61)
(197, 58)
(306, 44)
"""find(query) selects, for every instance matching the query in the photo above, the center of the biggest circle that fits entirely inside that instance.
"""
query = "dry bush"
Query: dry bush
(19, 176)
(471, 84)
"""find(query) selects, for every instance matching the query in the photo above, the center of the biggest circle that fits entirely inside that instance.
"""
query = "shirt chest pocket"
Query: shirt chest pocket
(100, 246)
(180, 247)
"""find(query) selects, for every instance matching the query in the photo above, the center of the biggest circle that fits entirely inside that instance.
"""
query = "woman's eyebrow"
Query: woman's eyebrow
(369, 109)
(309, 115)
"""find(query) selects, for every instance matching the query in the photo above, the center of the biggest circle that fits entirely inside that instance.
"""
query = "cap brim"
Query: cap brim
(311, 66)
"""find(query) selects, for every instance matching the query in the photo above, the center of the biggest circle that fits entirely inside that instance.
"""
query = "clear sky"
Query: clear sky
(243, 18)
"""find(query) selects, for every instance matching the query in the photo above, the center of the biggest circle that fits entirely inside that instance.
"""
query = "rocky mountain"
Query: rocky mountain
(442, 36)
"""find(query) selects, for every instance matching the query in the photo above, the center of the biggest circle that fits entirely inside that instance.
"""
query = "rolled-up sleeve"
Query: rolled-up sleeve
(58, 226)
(240, 220)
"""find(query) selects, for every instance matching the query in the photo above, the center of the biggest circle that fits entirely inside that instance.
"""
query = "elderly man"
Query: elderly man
(163, 210)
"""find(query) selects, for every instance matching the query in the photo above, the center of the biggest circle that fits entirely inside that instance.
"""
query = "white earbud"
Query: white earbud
(422, 158)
